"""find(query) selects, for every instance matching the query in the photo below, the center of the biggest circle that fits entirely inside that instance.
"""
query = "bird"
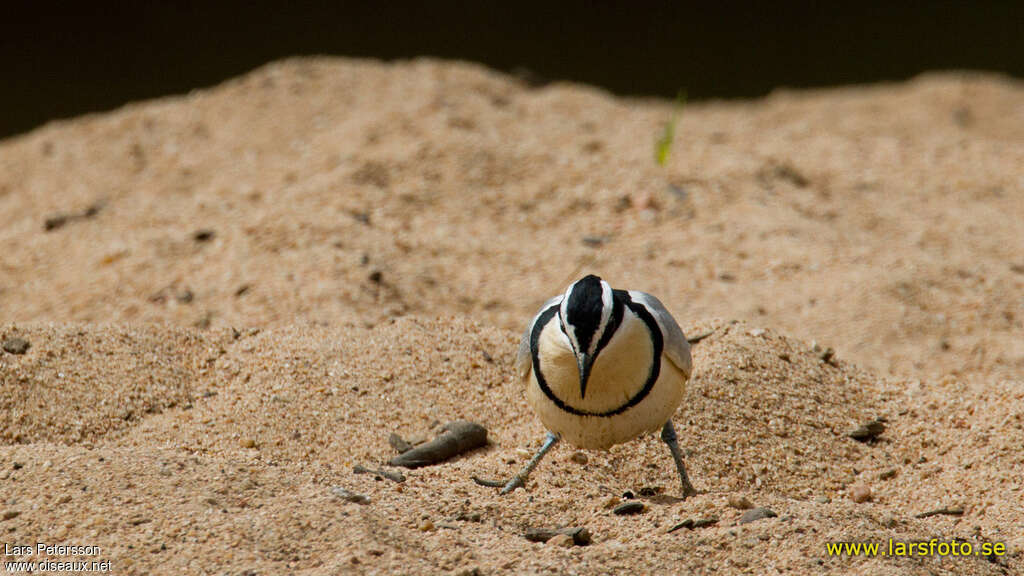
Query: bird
(602, 366)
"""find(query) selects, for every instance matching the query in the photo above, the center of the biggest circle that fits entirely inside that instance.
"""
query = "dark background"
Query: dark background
(62, 59)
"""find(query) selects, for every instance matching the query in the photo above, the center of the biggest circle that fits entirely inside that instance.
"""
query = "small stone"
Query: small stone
(9, 514)
(755, 514)
(828, 356)
(579, 535)
(757, 332)
(860, 493)
(247, 443)
(398, 443)
(55, 221)
(868, 431)
(561, 541)
(739, 502)
(349, 496)
(394, 476)
(610, 502)
(947, 511)
(691, 524)
(887, 474)
(427, 526)
(203, 235)
(822, 499)
(16, 345)
(702, 522)
(579, 458)
(629, 508)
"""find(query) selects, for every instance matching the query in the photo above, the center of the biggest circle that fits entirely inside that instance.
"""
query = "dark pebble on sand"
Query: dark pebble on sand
(16, 345)
(629, 508)
(868, 431)
(755, 514)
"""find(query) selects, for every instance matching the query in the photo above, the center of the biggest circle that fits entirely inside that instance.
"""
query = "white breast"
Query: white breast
(620, 373)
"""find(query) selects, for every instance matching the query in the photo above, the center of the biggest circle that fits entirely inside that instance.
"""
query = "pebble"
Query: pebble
(247, 443)
(860, 493)
(947, 511)
(629, 508)
(9, 514)
(561, 541)
(16, 345)
(349, 496)
(203, 235)
(379, 473)
(579, 458)
(755, 514)
(822, 499)
(398, 443)
(868, 431)
(739, 502)
(691, 524)
(579, 535)
(427, 526)
(828, 356)
(649, 491)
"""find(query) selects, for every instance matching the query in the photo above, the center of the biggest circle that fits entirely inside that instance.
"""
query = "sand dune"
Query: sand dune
(235, 296)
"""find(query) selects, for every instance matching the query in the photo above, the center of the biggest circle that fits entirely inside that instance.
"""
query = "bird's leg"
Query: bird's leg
(519, 479)
(668, 434)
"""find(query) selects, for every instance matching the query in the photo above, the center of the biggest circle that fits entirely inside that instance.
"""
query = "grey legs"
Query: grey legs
(519, 479)
(668, 434)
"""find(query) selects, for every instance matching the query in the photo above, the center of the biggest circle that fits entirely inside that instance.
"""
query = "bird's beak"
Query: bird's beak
(585, 362)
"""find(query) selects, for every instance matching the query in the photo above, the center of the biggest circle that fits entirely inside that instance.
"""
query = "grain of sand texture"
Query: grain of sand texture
(232, 298)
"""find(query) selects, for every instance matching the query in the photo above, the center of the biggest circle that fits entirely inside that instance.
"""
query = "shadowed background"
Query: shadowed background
(83, 58)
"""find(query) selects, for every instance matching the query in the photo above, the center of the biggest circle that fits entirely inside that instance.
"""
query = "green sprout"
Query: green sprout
(664, 144)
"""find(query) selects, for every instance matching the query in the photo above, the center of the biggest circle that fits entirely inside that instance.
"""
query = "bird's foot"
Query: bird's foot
(506, 487)
(519, 480)
(688, 490)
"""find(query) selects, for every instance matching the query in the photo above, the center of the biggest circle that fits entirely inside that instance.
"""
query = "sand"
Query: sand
(234, 297)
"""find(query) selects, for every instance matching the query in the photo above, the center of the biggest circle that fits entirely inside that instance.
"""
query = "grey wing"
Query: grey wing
(524, 360)
(676, 347)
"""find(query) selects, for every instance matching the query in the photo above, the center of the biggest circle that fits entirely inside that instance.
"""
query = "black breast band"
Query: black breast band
(652, 376)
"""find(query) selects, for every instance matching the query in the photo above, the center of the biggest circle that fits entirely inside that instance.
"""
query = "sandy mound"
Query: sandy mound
(238, 473)
(295, 264)
(78, 383)
(881, 221)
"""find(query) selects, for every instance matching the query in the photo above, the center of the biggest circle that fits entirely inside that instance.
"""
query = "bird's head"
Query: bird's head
(585, 314)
